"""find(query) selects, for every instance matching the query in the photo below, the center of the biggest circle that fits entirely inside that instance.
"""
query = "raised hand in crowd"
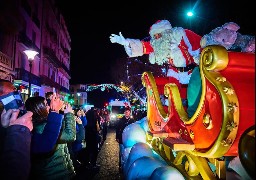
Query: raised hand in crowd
(56, 103)
(9, 118)
(15, 155)
(82, 112)
(52, 132)
(78, 120)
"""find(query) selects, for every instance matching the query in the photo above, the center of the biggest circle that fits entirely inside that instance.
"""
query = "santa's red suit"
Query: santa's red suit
(178, 47)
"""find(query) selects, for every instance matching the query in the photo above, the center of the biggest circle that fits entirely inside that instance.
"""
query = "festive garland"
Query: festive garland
(104, 87)
(121, 88)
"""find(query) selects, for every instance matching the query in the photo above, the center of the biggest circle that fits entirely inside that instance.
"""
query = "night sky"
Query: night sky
(90, 23)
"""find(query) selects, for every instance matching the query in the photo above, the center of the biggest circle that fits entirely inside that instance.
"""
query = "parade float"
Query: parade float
(207, 139)
(212, 136)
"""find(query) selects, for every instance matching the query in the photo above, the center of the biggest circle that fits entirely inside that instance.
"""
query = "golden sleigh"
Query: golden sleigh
(222, 123)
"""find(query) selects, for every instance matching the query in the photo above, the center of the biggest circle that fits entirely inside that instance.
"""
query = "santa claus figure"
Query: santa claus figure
(178, 47)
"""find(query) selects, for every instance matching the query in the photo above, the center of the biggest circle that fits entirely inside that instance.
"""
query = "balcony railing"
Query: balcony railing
(53, 58)
(51, 54)
(23, 38)
(65, 68)
(49, 82)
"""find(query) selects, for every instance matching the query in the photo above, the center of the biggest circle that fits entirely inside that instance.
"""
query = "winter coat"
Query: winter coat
(43, 142)
(122, 123)
(80, 136)
(57, 163)
(15, 157)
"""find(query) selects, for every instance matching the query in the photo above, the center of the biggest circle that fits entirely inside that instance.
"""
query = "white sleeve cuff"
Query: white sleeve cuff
(134, 47)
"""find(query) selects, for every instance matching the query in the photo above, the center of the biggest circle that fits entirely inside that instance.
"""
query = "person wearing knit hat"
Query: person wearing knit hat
(122, 123)
(178, 47)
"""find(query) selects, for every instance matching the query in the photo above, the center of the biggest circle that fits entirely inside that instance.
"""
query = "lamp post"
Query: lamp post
(30, 55)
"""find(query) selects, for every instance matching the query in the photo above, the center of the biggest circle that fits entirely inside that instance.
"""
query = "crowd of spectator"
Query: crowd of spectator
(46, 138)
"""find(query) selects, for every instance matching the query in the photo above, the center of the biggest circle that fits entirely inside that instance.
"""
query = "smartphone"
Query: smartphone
(54, 91)
(13, 100)
(48, 102)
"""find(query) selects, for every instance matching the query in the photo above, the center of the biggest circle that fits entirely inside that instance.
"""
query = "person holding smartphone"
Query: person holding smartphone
(15, 134)
(55, 164)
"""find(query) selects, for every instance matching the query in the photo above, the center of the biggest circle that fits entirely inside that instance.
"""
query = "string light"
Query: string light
(122, 88)
(104, 87)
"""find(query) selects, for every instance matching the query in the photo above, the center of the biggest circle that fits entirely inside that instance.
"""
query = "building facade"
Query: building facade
(34, 25)
(79, 94)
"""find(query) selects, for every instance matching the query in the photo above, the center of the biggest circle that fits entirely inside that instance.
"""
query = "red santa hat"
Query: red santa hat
(159, 26)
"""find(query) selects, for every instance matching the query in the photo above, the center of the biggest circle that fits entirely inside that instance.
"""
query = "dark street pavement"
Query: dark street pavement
(108, 161)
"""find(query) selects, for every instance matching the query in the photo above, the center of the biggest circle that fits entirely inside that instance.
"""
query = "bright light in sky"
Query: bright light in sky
(190, 14)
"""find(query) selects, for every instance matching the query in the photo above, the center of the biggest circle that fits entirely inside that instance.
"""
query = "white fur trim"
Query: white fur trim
(134, 48)
(159, 27)
(195, 54)
(152, 58)
(182, 77)
(177, 57)
(172, 73)
(187, 42)
(196, 59)
(177, 33)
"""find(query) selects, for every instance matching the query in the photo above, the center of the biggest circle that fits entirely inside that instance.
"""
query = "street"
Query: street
(108, 160)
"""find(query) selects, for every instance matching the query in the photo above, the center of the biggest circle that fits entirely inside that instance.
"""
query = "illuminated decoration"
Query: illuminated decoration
(177, 137)
(20, 87)
(104, 87)
(125, 89)
(69, 99)
(66, 97)
(190, 13)
(30, 55)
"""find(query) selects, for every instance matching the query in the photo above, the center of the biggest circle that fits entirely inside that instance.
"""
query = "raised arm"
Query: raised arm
(133, 47)
(68, 131)
(45, 142)
(15, 157)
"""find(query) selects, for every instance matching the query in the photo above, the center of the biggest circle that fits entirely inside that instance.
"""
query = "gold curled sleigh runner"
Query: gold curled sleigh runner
(222, 125)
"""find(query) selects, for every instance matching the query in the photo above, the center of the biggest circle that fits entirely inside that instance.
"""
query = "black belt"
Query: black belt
(187, 68)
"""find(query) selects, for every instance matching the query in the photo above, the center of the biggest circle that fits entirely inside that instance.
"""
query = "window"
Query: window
(46, 65)
(53, 75)
(23, 60)
(49, 72)
(34, 37)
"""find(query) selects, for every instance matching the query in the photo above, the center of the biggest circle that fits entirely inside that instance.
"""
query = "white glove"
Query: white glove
(118, 39)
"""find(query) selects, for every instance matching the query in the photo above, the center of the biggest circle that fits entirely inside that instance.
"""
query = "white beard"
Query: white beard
(166, 48)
